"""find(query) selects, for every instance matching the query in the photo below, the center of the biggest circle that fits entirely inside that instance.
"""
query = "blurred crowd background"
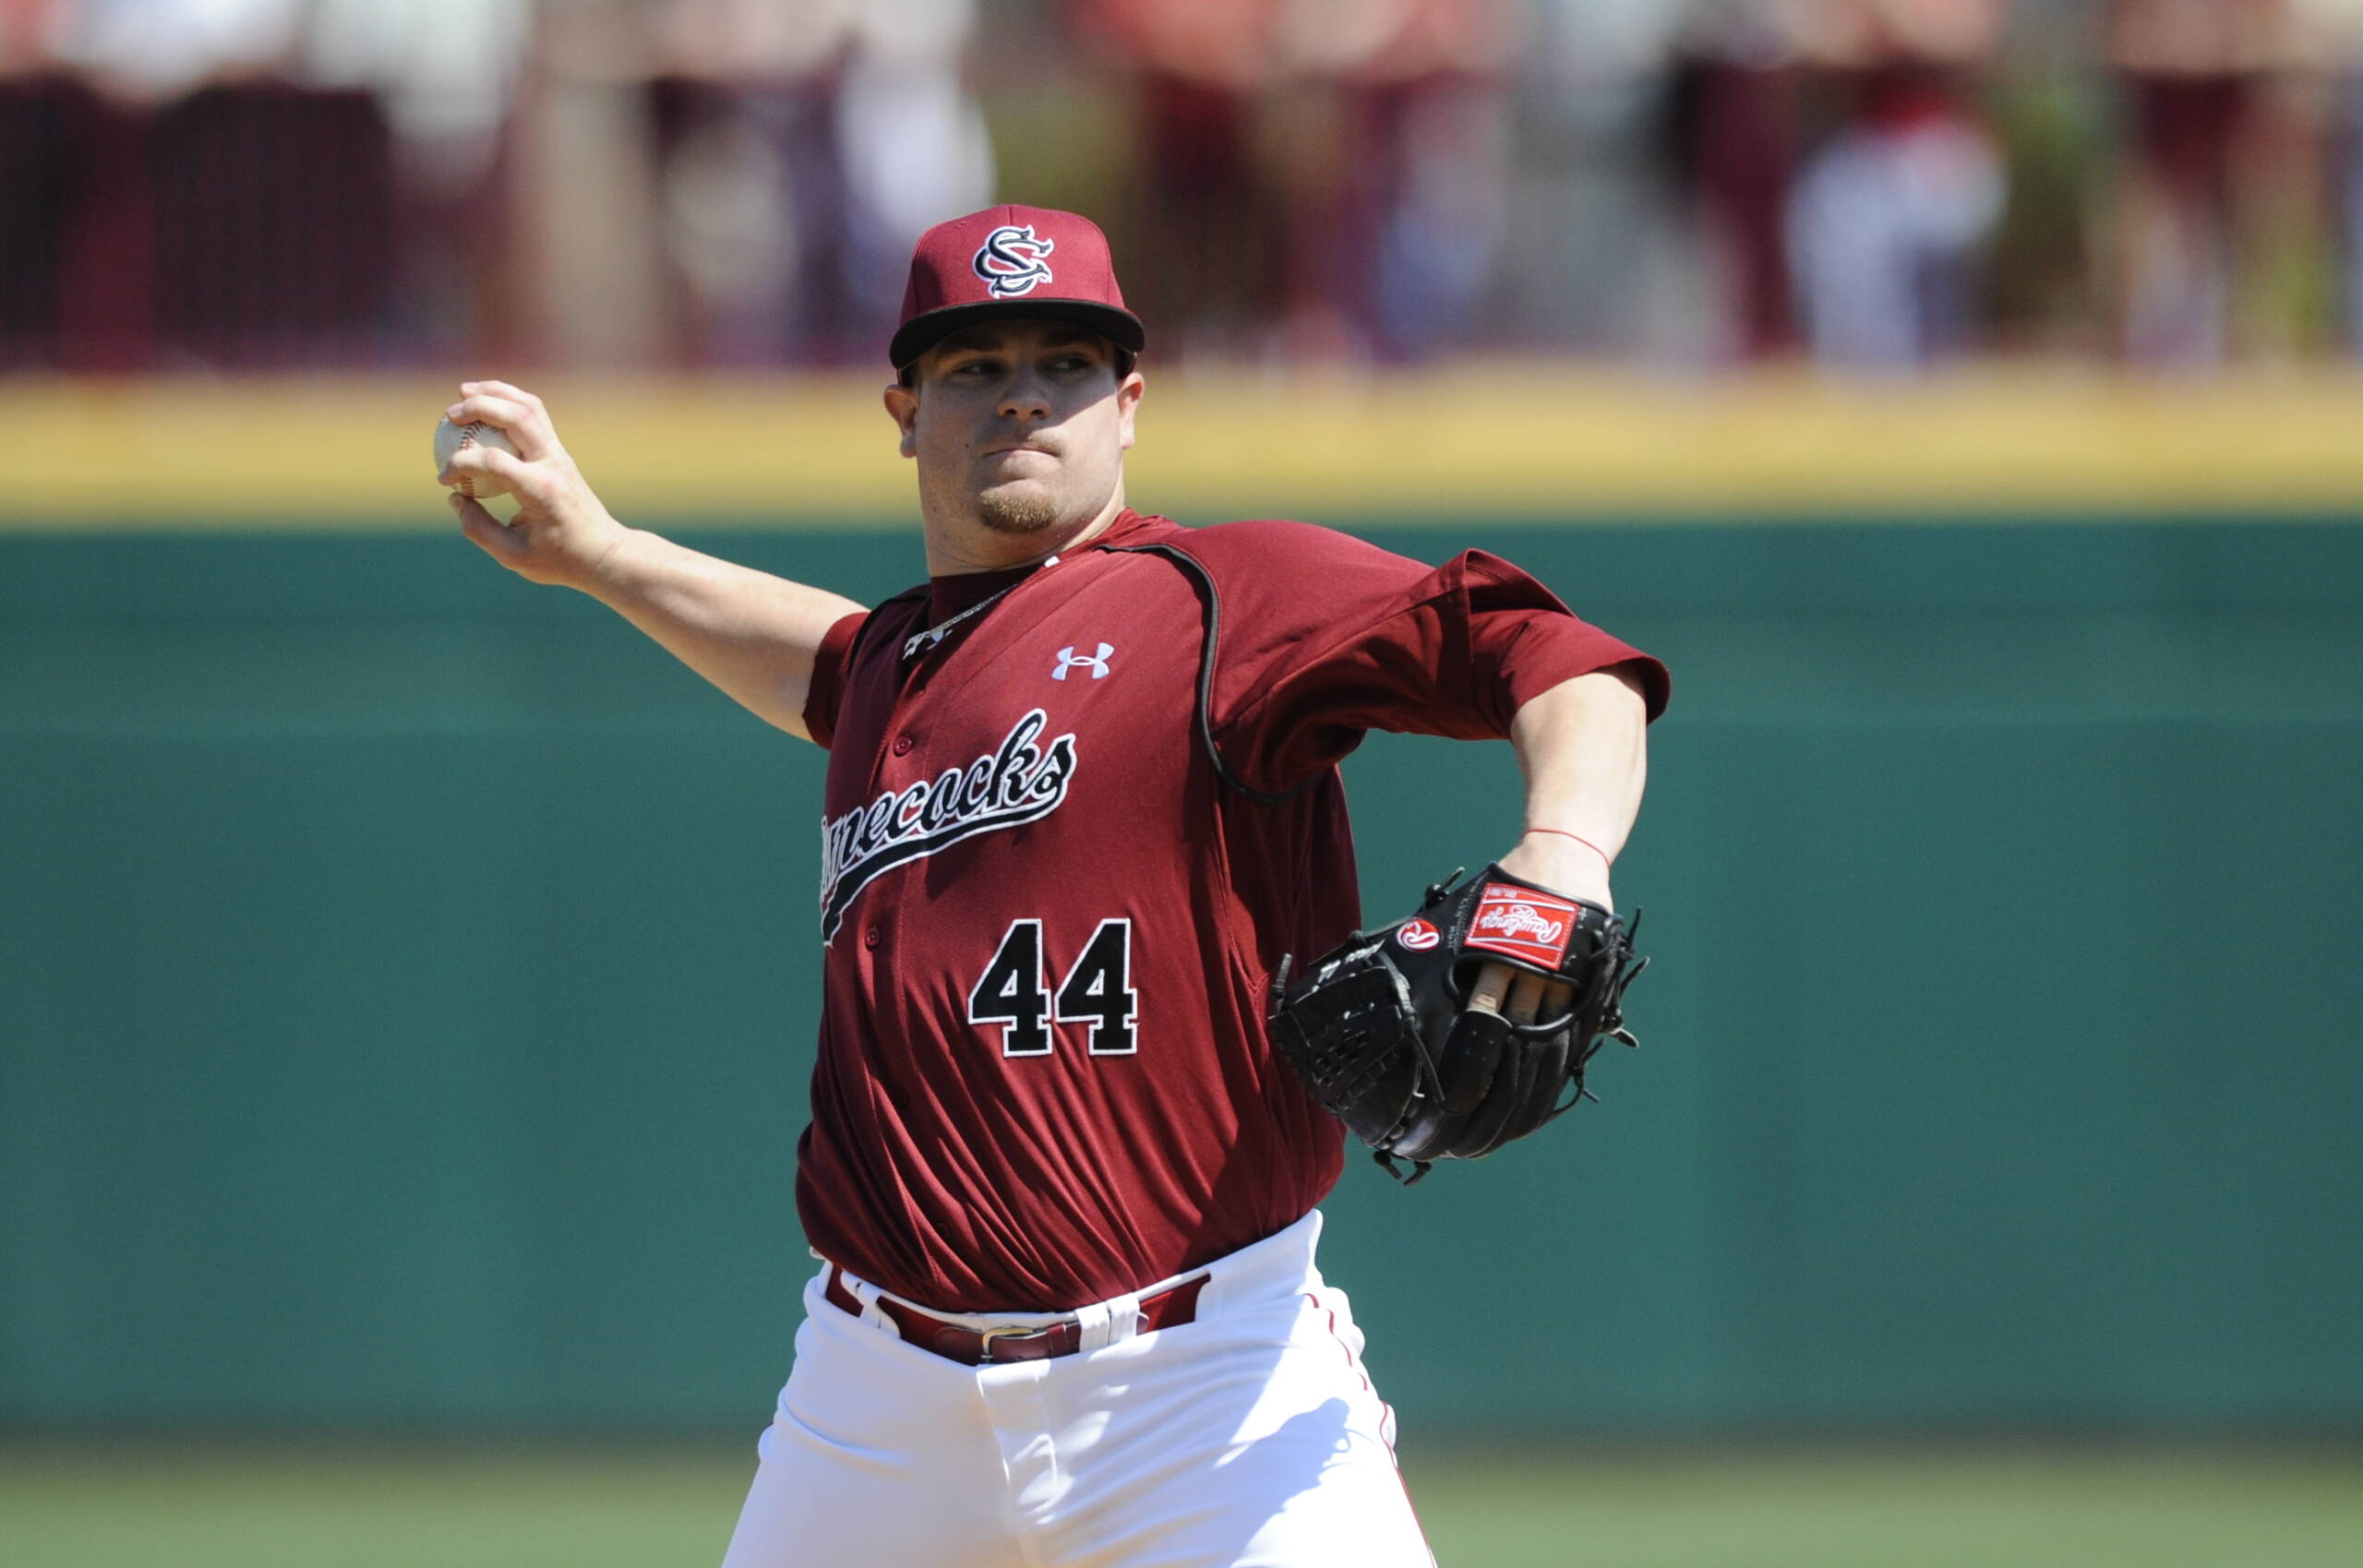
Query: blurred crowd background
(341, 1104)
(634, 184)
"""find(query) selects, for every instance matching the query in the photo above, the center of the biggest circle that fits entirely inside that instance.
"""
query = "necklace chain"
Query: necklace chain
(925, 639)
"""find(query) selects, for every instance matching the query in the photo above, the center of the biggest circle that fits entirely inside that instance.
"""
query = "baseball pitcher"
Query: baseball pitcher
(1097, 1015)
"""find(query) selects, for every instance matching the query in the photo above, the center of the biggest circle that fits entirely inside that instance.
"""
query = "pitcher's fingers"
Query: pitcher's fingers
(536, 418)
(529, 433)
(1526, 994)
(509, 390)
(1492, 983)
(486, 531)
(470, 461)
(1558, 999)
(491, 408)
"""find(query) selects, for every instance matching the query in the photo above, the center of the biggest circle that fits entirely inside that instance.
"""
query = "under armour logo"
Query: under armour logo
(1097, 663)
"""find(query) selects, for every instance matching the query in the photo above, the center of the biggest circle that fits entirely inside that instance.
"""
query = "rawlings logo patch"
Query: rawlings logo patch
(1011, 261)
(1525, 925)
(1419, 936)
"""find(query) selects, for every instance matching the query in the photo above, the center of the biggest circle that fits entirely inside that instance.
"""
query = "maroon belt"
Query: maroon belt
(977, 1347)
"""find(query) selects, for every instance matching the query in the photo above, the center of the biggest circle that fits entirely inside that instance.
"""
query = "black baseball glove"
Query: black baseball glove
(1383, 1030)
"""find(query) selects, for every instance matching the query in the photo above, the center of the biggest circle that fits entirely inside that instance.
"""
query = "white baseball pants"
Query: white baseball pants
(1249, 1438)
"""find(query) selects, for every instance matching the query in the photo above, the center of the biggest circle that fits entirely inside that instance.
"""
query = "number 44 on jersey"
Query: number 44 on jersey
(1013, 991)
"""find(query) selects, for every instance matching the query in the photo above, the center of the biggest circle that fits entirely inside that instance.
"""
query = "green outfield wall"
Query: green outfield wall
(407, 984)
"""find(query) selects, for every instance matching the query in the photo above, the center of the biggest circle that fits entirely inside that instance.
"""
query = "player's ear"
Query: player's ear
(902, 406)
(1128, 399)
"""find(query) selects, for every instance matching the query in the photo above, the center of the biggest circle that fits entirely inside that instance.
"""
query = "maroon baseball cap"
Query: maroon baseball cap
(1011, 261)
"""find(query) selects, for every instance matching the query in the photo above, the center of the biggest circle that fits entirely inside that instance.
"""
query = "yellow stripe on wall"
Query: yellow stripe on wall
(1515, 440)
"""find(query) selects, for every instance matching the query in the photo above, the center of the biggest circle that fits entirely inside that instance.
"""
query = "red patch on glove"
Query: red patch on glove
(1528, 926)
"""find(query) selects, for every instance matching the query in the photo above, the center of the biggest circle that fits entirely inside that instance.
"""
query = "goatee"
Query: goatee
(1015, 511)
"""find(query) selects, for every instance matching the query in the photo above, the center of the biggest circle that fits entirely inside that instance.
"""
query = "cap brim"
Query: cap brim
(923, 331)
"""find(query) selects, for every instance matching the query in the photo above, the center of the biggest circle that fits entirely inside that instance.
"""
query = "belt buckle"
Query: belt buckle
(984, 1338)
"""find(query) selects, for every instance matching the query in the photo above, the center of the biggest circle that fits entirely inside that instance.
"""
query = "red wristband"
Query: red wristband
(1579, 839)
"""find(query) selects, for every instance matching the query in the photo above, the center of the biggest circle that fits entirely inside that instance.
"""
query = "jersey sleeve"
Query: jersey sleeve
(1324, 638)
(821, 699)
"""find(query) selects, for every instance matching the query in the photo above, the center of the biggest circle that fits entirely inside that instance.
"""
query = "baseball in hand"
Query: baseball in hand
(451, 438)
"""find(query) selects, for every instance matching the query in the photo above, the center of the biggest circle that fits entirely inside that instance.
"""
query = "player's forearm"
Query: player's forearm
(1583, 748)
(753, 634)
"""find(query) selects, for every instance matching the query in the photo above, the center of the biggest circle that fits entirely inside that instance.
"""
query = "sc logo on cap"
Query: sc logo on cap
(1011, 260)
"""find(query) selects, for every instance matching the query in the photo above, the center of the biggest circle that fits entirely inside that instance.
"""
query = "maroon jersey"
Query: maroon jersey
(1051, 918)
